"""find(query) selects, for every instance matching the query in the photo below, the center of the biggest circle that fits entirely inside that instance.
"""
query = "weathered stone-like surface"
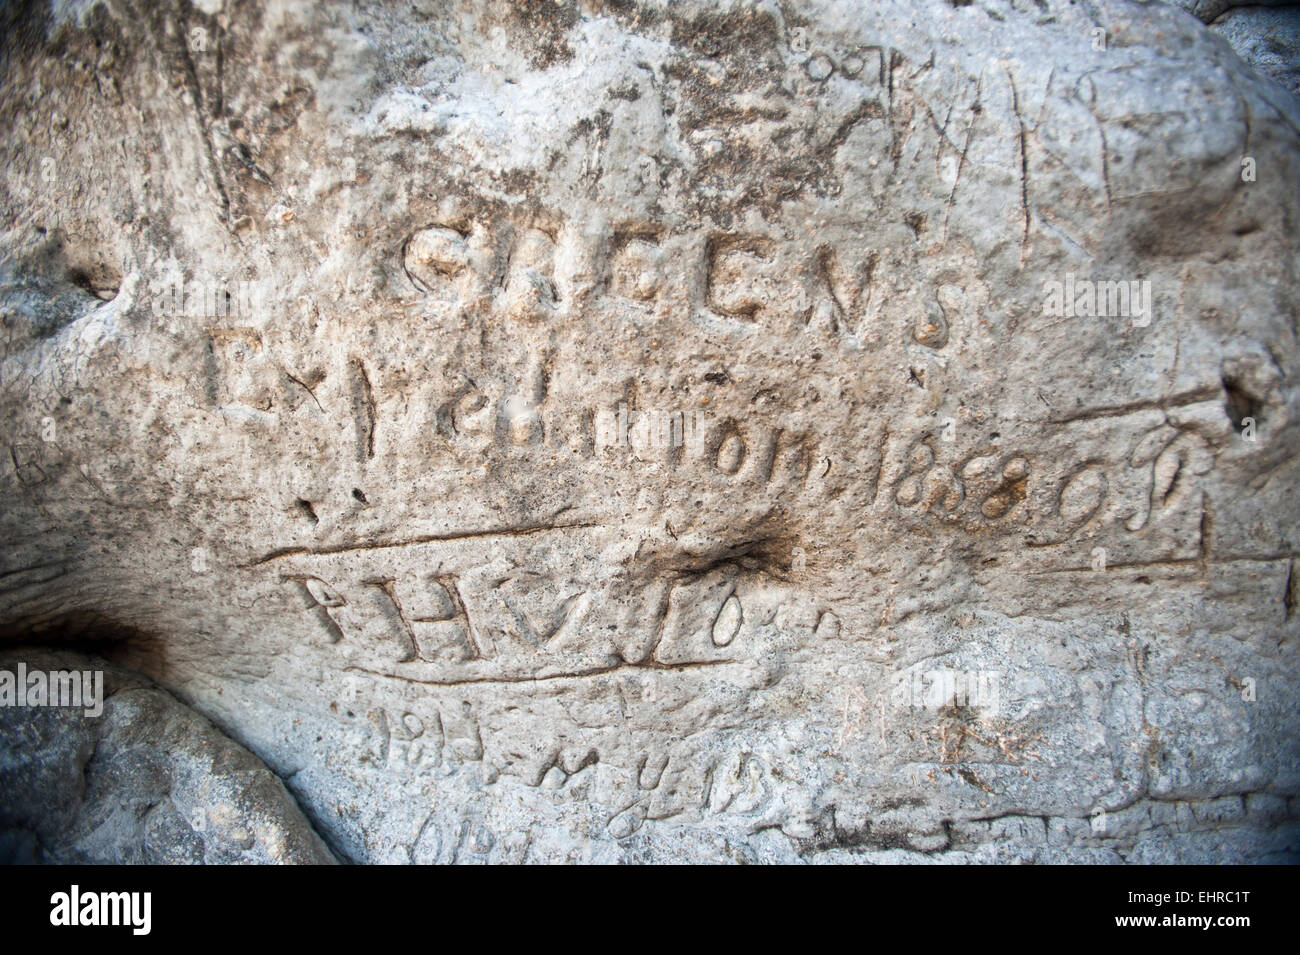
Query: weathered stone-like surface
(1264, 33)
(372, 524)
(1210, 11)
(147, 780)
(1269, 40)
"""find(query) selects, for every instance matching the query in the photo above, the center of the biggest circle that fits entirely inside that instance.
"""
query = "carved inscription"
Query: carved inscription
(484, 623)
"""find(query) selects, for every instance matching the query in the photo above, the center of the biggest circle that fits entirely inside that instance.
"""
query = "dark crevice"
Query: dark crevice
(1289, 593)
(84, 631)
(1240, 404)
(305, 508)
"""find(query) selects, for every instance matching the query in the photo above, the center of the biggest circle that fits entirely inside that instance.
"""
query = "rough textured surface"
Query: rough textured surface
(147, 781)
(379, 524)
(1264, 33)
(1267, 39)
(1209, 11)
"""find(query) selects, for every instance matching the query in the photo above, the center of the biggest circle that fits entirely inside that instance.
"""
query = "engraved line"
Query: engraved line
(413, 541)
(1196, 396)
(364, 397)
(580, 674)
(1171, 562)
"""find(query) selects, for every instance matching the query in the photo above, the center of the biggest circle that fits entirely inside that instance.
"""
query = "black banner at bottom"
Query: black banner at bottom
(1223, 905)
